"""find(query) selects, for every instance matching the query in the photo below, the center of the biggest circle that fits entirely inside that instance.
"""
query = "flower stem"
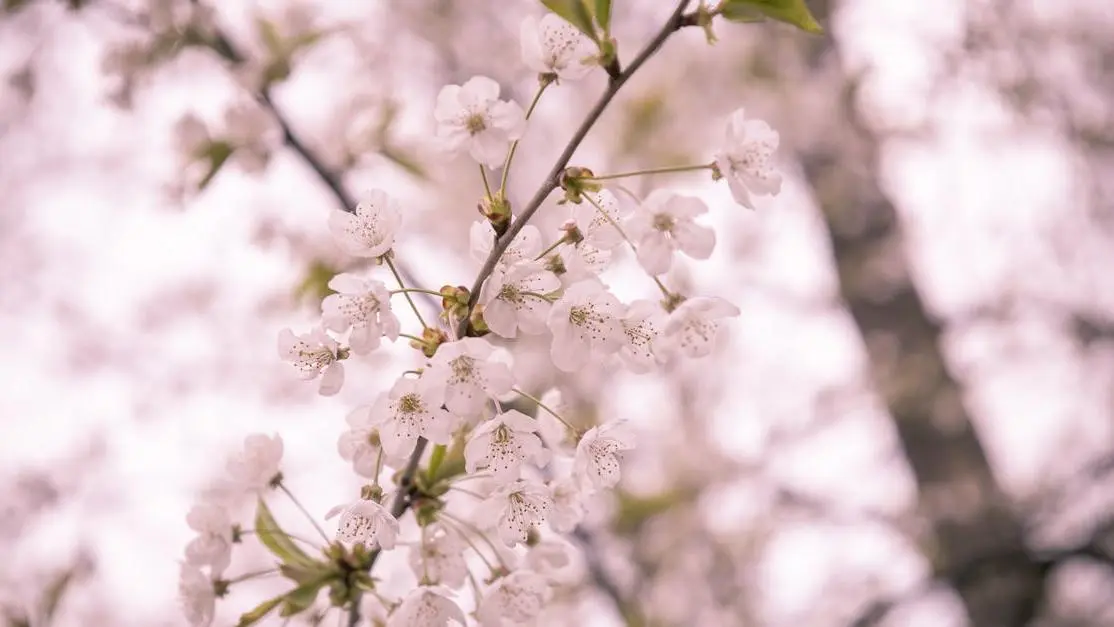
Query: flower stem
(298, 504)
(415, 290)
(649, 171)
(542, 405)
(405, 291)
(514, 144)
(253, 575)
(412, 337)
(552, 247)
(483, 175)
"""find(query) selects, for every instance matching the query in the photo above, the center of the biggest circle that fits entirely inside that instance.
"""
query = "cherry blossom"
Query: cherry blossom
(365, 522)
(412, 409)
(515, 599)
(552, 558)
(568, 505)
(642, 325)
(362, 305)
(213, 545)
(516, 508)
(574, 263)
(597, 455)
(426, 606)
(470, 376)
(471, 117)
(196, 596)
(745, 157)
(313, 354)
(370, 230)
(516, 298)
(598, 217)
(257, 467)
(585, 323)
(360, 443)
(525, 246)
(502, 444)
(440, 558)
(551, 45)
(693, 327)
(664, 223)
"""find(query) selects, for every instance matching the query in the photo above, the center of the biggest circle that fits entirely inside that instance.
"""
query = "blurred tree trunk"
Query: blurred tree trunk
(977, 543)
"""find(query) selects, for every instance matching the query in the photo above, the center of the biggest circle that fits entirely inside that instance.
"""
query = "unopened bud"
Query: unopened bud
(497, 210)
(454, 301)
(476, 323)
(431, 339)
(574, 180)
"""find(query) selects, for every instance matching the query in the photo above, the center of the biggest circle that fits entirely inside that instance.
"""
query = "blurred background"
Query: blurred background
(911, 424)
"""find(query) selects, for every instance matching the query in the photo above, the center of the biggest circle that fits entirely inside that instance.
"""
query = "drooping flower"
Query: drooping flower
(257, 466)
(470, 376)
(598, 217)
(370, 230)
(664, 223)
(412, 409)
(365, 522)
(585, 323)
(642, 324)
(515, 599)
(313, 354)
(471, 117)
(745, 158)
(440, 558)
(501, 445)
(568, 505)
(516, 298)
(597, 455)
(525, 246)
(196, 596)
(213, 545)
(516, 508)
(553, 46)
(360, 443)
(693, 327)
(362, 305)
(426, 606)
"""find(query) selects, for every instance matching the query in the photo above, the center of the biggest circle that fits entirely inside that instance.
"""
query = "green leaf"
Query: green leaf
(793, 12)
(576, 13)
(603, 14)
(275, 539)
(257, 614)
(301, 598)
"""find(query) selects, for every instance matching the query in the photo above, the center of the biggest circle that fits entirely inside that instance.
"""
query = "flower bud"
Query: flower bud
(497, 210)
(574, 183)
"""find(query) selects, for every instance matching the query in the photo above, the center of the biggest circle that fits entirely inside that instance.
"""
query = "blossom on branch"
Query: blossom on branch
(642, 325)
(501, 445)
(598, 453)
(693, 327)
(426, 606)
(196, 596)
(585, 323)
(370, 230)
(471, 117)
(412, 409)
(365, 522)
(362, 305)
(257, 466)
(360, 443)
(745, 157)
(439, 558)
(597, 217)
(313, 354)
(517, 298)
(469, 374)
(664, 223)
(552, 46)
(516, 508)
(525, 246)
(213, 545)
(516, 599)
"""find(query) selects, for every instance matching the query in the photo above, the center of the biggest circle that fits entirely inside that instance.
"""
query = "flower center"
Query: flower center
(510, 293)
(578, 316)
(475, 123)
(411, 403)
(664, 222)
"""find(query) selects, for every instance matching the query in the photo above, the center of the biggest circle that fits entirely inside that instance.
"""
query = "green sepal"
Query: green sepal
(301, 598)
(793, 12)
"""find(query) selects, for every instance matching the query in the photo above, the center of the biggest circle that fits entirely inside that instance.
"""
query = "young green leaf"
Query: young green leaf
(793, 12)
(603, 15)
(260, 611)
(301, 598)
(275, 539)
(576, 13)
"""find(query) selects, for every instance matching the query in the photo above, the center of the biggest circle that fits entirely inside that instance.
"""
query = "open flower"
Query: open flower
(517, 297)
(745, 159)
(553, 46)
(470, 376)
(196, 596)
(257, 466)
(365, 522)
(412, 409)
(313, 354)
(213, 545)
(471, 117)
(362, 305)
(360, 443)
(370, 230)
(597, 455)
(426, 606)
(516, 508)
(440, 557)
(502, 444)
(525, 246)
(693, 327)
(568, 505)
(664, 223)
(515, 599)
(597, 217)
(584, 322)
(642, 324)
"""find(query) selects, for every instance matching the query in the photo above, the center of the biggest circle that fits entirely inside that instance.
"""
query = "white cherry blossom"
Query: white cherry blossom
(365, 522)
(515, 599)
(525, 246)
(585, 323)
(257, 465)
(412, 409)
(470, 376)
(553, 558)
(370, 230)
(313, 354)
(471, 117)
(642, 325)
(574, 263)
(551, 45)
(516, 508)
(568, 505)
(693, 327)
(501, 445)
(598, 217)
(213, 545)
(360, 443)
(196, 596)
(362, 305)
(745, 158)
(427, 606)
(597, 455)
(514, 298)
(665, 223)
(440, 558)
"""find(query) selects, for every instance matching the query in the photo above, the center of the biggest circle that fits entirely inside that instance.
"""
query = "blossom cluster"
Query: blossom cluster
(496, 481)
